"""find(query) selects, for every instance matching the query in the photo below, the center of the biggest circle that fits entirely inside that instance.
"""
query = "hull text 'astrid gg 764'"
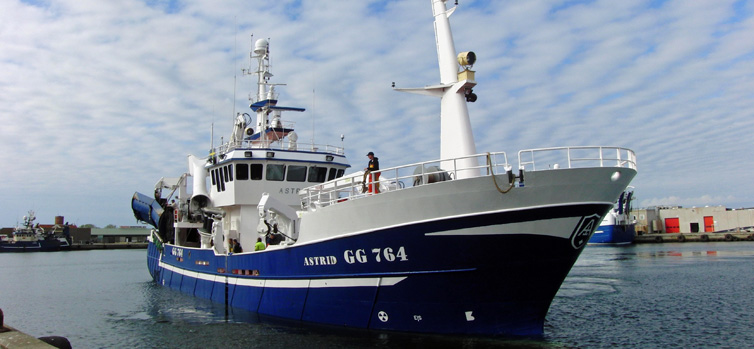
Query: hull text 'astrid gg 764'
(464, 244)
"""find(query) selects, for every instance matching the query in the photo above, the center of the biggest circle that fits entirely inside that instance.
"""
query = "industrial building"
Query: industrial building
(676, 219)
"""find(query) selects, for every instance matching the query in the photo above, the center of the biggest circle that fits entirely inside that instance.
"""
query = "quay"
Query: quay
(109, 246)
(12, 338)
(742, 235)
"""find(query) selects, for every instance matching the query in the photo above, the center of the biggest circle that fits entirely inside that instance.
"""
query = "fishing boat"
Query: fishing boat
(469, 243)
(617, 228)
(31, 238)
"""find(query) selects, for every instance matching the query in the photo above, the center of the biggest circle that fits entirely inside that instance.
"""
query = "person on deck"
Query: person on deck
(237, 246)
(260, 245)
(373, 166)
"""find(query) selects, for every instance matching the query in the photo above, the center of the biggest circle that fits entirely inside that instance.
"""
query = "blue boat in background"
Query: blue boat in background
(617, 227)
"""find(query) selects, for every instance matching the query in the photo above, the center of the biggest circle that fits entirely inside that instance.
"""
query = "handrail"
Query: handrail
(428, 172)
(277, 145)
(405, 176)
(577, 157)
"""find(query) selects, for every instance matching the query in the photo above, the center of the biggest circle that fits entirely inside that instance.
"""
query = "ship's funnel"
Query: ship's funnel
(200, 197)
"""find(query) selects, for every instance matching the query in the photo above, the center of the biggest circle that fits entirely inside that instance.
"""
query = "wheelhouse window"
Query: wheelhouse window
(224, 169)
(275, 172)
(331, 174)
(296, 173)
(317, 174)
(218, 179)
(242, 172)
(256, 172)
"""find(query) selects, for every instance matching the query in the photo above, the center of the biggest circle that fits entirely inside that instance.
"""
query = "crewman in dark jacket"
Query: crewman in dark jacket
(374, 166)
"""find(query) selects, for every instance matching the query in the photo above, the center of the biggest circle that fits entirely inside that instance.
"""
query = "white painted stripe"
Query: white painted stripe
(250, 282)
(295, 283)
(392, 281)
(287, 283)
(546, 227)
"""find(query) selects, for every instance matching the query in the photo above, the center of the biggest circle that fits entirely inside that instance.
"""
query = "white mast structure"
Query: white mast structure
(456, 138)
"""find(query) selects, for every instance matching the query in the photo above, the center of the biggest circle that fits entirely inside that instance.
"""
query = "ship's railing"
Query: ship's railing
(278, 145)
(576, 157)
(402, 177)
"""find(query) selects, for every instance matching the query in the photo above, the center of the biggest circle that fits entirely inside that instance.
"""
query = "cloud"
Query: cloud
(704, 200)
(101, 99)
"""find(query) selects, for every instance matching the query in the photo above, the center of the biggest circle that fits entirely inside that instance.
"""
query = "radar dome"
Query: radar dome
(260, 47)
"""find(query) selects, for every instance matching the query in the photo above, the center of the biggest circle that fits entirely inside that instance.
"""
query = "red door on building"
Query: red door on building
(709, 224)
(672, 225)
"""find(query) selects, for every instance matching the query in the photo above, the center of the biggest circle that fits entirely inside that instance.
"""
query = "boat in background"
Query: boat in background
(458, 245)
(31, 238)
(617, 228)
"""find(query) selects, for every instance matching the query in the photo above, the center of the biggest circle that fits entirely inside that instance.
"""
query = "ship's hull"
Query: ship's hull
(451, 275)
(616, 234)
(34, 246)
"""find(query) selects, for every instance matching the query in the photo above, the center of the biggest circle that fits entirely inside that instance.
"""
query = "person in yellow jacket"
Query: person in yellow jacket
(260, 245)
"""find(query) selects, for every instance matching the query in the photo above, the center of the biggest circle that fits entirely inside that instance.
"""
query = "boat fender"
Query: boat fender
(658, 239)
(57, 341)
(681, 238)
(728, 237)
(704, 237)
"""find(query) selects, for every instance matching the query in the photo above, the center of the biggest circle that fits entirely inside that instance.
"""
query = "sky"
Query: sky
(99, 99)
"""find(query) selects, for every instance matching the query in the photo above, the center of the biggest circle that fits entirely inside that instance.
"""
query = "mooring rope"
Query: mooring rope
(494, 180)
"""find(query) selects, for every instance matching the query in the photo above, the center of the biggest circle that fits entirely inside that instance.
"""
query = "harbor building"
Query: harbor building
(122, 234)
(677, 219)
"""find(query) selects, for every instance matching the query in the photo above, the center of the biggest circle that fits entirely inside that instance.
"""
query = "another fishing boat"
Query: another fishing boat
(617, 228)
(31, 238)
(463, 244)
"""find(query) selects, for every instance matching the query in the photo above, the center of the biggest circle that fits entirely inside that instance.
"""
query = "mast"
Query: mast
(456, 138)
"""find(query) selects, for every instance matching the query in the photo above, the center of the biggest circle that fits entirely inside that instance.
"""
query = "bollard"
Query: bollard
(2, 323)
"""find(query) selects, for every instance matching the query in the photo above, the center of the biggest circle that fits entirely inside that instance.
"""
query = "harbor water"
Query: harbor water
(646, 295)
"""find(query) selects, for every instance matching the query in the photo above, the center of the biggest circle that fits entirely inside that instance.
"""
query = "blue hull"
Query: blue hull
(614, 234)
(395, 279)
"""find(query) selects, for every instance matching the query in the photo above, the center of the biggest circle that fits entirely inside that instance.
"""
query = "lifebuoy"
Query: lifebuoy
(681, 238)
(728, 237)
(704, 237)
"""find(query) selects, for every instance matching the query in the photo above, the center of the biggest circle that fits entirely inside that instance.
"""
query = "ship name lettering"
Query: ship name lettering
(178, 252)
(387, 254)
(289, 190)
(320, 260)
